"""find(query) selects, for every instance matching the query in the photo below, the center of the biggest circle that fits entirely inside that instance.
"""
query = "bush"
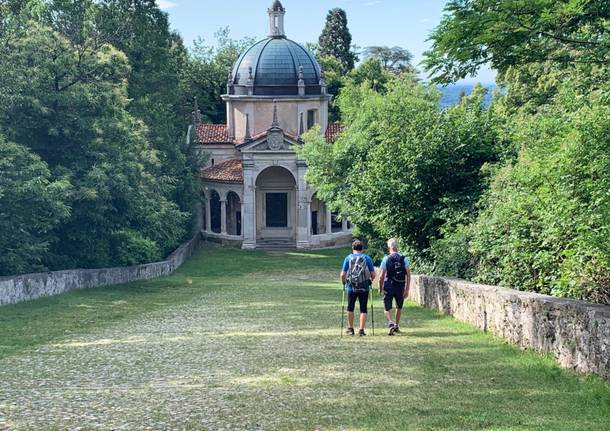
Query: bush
(546, 218)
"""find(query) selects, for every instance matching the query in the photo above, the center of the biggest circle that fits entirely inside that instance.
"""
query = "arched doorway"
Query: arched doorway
(233, 214)
(215, 211)
(276, 204)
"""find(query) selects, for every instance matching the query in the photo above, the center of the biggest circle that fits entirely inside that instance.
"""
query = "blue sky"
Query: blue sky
(405, 23)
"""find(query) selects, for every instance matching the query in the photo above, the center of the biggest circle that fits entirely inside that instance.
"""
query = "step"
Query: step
(276, 244)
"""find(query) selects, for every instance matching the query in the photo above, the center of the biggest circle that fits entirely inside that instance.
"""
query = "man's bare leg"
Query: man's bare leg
(362, 320)
(388, 316)
(397, 315)
(350, 319)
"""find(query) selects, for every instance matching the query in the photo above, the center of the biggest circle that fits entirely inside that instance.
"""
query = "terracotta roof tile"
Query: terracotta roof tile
(333, 131)
(213, 134)
(229, 171)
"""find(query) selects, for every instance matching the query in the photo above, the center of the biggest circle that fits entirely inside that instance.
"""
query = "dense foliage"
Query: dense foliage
(545, 223)
(403, 166)
(92, 89)
(506, 33)
(32, 205)
(517, 194)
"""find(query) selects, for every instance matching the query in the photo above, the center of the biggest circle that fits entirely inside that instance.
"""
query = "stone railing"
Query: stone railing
(31, 286)
(577, 333)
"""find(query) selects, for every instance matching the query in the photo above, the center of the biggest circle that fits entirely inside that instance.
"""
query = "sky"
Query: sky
(405, 23)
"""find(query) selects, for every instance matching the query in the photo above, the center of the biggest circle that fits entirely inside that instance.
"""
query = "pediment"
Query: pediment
(271, 142)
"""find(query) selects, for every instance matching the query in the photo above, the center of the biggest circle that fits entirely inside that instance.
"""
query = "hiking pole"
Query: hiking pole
(342, 309)
(372, 309)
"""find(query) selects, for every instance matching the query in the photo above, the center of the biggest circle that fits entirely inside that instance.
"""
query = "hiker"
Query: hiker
(357, 276)
(394, 282)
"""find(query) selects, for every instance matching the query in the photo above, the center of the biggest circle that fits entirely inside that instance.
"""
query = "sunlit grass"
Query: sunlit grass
(251, 341)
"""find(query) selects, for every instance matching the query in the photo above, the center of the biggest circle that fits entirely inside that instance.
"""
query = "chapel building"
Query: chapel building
(254, 192)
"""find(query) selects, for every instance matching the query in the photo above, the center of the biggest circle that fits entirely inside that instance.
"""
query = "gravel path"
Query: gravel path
(268, 356)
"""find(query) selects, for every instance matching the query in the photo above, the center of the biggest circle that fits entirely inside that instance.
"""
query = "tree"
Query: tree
(372, 74)
(402, 167)
(336, 39)
(544, 222)
(395, 59)
(208, 71)
(509, 33)
(73, 111)
(156, 85)
(32, 204)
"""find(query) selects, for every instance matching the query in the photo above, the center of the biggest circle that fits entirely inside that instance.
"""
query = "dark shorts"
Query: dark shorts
(396, 295)
(362, 297)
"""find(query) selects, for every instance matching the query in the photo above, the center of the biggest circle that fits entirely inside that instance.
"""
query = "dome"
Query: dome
(277, 6)
(272, 66)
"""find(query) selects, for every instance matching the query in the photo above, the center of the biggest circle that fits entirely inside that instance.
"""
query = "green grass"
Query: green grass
(237, 340)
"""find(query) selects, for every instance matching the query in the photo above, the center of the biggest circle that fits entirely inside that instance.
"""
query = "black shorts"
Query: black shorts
(363, 298)
(394, 294)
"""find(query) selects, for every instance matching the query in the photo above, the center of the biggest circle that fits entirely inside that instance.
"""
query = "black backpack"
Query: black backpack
(396, 269)
(358, 274)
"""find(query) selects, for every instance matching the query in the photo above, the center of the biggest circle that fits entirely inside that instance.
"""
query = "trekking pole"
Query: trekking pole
(372, 309)
(342, 309)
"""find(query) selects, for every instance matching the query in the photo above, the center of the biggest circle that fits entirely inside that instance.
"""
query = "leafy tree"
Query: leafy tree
(544, 223)
(333, 74)
(507, 33)
(156, 87)
(32, 204)
(73, 112)
(208, 71)
(336, 39)
(395, 59)
(402, 167)
(372, 74)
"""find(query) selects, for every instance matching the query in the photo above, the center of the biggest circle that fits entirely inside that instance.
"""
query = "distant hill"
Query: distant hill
(451, 93)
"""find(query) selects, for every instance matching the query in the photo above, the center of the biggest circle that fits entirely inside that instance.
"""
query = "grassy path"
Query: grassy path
(250, 341)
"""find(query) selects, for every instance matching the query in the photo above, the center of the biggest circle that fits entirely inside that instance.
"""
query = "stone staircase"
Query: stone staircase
(276, 244)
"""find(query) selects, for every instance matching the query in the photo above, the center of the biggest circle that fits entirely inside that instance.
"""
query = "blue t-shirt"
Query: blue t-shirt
(369, 264)
(389, 284)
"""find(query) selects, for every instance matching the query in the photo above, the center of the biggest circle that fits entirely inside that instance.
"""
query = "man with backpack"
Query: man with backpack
(394, 284)
(357, 276)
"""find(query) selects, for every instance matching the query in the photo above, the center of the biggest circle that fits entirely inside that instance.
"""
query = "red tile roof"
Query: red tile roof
(213, 134)
(229, 171)
(333, 131)
(218, 134)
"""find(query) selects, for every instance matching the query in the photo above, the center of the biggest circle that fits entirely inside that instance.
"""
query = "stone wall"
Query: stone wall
(31, 286)
(577, 333)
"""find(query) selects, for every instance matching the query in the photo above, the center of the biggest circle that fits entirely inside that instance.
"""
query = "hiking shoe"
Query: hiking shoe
(350, 331)
(361, 333)
(391, 331)
(397, 329)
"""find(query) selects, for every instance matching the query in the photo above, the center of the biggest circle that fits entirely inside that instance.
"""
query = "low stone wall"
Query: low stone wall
(31, 286)
(577, 333)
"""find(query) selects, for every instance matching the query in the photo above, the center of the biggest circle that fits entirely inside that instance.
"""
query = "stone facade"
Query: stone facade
(576, 333)
(32, 286)
(253, 190)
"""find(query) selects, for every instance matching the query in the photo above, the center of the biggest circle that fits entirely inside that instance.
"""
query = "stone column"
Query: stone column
(248, 215)
(223, 216)
(329, 221)
(344, 225)
(303, 208)
(208, 215)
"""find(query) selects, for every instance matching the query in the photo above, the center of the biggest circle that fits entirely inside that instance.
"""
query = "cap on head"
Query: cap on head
(357, 245)
(393, 244)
